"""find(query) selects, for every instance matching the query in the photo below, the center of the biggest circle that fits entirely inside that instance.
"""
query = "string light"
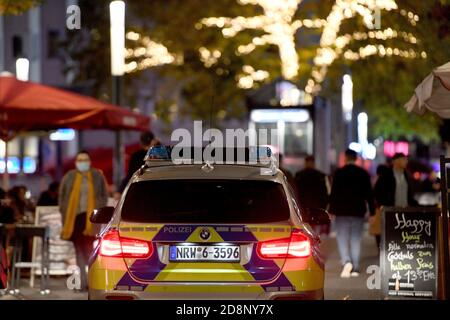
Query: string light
(250, 76)
(149, 53)
(332, 46)
(208, 57)
(279, 27)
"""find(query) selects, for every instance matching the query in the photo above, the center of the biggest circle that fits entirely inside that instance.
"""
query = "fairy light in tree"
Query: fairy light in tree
(208, 57)
(279, 27)
(250, 76)
(147, 53)
(332, 46)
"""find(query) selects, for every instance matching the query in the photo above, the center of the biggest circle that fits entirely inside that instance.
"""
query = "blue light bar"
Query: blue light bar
(259, 153)
(250, 154)
(158, 153)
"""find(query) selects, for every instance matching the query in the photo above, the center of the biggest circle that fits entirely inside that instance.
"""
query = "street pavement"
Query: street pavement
(335, 287)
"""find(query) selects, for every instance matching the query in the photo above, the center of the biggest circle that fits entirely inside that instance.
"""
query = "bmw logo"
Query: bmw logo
(205, 234)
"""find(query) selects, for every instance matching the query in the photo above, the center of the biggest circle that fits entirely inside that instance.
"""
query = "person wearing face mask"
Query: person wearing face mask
(82, 190)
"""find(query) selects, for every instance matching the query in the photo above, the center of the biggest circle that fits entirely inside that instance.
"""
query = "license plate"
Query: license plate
(205, 253)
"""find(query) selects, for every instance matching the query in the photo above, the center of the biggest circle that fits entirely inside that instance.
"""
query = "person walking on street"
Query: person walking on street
(288, 174)
(351, 194)
(82, 190)
(375, 221)
(394, 187)
(313, 188)
(147, 140)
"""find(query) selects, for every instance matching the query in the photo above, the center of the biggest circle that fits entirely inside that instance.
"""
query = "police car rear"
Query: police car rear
(183, 232)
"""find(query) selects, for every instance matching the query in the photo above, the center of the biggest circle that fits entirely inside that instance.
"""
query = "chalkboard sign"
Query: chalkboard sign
(409, 253)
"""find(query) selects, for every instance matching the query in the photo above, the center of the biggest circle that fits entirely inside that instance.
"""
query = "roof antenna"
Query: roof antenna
(211, 109)
(208, 167)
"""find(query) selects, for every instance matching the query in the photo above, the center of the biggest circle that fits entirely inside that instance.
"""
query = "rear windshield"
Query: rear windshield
(205, 201)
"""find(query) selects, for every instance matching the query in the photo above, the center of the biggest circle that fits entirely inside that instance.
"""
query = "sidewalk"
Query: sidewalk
(335, 287)
(58, 291)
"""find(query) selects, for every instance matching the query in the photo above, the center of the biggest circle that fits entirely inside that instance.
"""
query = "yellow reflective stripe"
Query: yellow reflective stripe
(310, 278)
(305, 280)
(104, 279)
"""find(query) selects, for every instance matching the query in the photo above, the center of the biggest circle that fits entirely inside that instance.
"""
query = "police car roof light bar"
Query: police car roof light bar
(252, 154)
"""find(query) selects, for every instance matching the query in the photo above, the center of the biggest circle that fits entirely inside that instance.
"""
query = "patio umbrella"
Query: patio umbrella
(433, 94)
(28, 106)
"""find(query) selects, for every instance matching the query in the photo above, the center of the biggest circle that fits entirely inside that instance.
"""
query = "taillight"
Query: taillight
(297, 246)
(111, 245)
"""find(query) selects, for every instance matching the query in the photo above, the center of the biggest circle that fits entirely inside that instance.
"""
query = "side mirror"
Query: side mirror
(102, 215)
(317, 216)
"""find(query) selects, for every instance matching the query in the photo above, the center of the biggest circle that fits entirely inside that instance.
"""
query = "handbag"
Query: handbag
(375, 226)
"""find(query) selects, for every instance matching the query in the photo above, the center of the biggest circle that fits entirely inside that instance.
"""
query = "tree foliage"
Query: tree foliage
(16, 7)
(382, 84)
(385, 84)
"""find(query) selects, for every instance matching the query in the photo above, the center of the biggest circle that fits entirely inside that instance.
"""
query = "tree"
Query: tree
(213, 66)
(17, 6)
(384, 85)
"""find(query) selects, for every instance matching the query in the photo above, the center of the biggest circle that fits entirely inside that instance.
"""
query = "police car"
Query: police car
(206, 231)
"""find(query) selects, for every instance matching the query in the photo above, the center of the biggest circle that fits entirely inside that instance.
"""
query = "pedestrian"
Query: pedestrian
(394, 187)
(3, 258)
(288, 175)
(375, 221)
(432, 184)
(22, 210)
(82, 190)
(147, 140)
(351, 194)
(6, 212)
(313, 189)
(50, 196)
(22, 206)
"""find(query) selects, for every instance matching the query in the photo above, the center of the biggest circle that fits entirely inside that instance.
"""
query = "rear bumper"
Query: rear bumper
(206, 295)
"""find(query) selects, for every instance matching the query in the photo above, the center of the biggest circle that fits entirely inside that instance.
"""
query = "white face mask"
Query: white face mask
(83, 166)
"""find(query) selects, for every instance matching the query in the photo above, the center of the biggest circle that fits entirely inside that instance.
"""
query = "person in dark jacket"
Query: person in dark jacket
(50, 196)
(288, 174)
(147, 140)
(351, 194)
(6, 212)
(312, 188)
(312, 185)
(432, 184)
(394, 186)
(375, 221)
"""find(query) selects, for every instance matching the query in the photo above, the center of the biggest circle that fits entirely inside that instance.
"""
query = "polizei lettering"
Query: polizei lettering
(177, 229)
